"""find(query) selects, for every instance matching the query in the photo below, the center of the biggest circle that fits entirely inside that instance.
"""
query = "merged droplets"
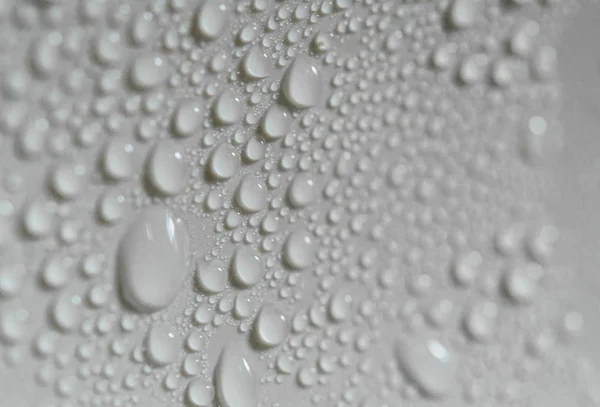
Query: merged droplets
(153, 259)
(167, 170)
(234, 378)
(429, 364)
(247, 267)
(301, 84)
(299, 250)
(271, 327)
(162, 344)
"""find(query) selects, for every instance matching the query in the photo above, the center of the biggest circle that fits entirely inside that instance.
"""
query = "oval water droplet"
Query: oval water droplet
(429, 364)
(228, 108)
(247, 267)
(301, 84)
(187, 118)
(251, 194)
(256, 64)
(271, 327)
(200, 393)
(148, 71)
(224, 162)
(299, 249)
(276, 123)
(211, 19)
(234, 378)
(162, 344)
(153, 259)
(302, 190)
(167, 170)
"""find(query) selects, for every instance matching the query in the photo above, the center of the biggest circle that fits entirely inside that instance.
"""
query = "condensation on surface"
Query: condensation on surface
(347, 203)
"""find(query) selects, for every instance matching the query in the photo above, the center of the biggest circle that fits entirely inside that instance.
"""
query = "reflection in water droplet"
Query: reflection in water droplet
(247, 267)
(251, 194)
(429, 364)
(271, 326)
(299, 249)
(167, 170)
(162, 344)
(152, 259)
(301, 84)
(234, 378)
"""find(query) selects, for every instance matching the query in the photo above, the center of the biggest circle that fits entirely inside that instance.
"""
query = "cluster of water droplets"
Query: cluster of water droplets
(276, 203)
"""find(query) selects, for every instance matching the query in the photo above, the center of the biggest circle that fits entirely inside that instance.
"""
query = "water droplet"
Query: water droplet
(429, 364)
(67, 312)
(153, 259)
(211, 19)
(271, 327)
(521, 282)
(167, 170)
(276, 123)
(247, 267)
(111, 207)
(200, 393)
(187, 119)
(242, 306)
(149, 71)
(302, 190)
(224, 162)
(12, 280)
(68, 179)
(13, 324)
(234, 378)
(118, 159)
(480, 321)
(228, 108)
(256, 64)
(299, 249)
(162, 344)
(463, 13)
(251, 194)
(38, 219)
(340, 306)
(465, 269)
(212, 277)
(301, 84)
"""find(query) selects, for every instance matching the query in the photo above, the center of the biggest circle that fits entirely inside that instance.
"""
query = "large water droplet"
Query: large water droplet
(301, 84)
(271, 326)
(167, 170)
(234, 378)
(302, 190)
(153, 259)
(251, 194)
(224, 162)
(148, 71)
(429, 364)
(200, 393)
(299, 249)
(247, 267)
(228, 108)
(256, 64)
(276, 122)
(211, 19)
(212, 277)
(462, 13)
(162, 344)
(187, 118)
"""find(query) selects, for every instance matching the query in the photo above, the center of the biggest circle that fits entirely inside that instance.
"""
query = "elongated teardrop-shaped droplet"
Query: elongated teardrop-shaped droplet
(429, 364)
(234, 378)
(256, 64)
(301, 84)
(167, 169)
(247, 267)
(152, 259)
